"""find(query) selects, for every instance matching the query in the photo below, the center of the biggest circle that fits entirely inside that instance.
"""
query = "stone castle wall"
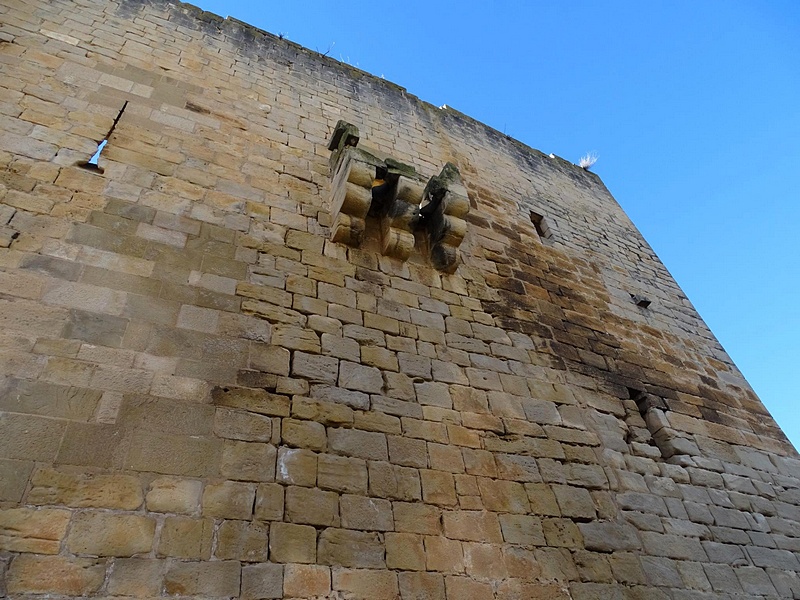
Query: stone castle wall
(203, 395)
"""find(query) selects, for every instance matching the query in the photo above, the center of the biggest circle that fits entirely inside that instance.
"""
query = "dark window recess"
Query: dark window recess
(541, 226)
(92, 163)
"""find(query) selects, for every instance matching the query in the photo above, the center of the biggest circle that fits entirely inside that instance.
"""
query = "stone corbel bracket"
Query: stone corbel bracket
(444, 206)
(398, 197)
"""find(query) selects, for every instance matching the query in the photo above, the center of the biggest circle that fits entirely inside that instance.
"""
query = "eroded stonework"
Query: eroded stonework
(303, 335)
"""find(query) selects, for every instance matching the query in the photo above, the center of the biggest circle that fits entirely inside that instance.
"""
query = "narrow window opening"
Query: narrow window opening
(541, 226)
(93, 164)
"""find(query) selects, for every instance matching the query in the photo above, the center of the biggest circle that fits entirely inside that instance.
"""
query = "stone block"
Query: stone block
(364, 583)
(297, 466)
(405, 551)
(610, 536)
(304, 434)
(443, 457)
(248, 461)
(361, 378)
(408, 451)
(262, 581)
(315, 368)
(438, 487)
(72, 577)
(421, 586)
(464, 587)
(523, 530)
(242, 425)
(561, 533)
(361, 444)
(184, 537)
(472, 526)
(14, 476)
(174, 495)
(312, 506)
(291, 543)
(574, 502)
(229, 500)
(503, 496)
(414, 517)
(123, 492)
(139, 577)
(29, 530)
(306, 581)
(191, 456)
(245, 541)
(27, 437)
(484, 562)
(203, 579)
(108, 534)
(342, 474)
(397, 483)
(362, 512)
(346, 548)
(269, 502)
(254, 400)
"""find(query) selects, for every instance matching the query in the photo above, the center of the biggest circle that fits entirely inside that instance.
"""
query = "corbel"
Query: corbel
(442, 211)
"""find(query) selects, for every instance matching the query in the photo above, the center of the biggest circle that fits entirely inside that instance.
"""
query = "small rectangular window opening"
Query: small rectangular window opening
(541, 226)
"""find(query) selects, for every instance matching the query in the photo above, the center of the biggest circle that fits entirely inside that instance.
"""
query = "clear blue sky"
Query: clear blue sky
(692, 107)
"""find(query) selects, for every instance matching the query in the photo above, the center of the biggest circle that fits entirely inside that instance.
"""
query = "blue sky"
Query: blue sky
(692, 107)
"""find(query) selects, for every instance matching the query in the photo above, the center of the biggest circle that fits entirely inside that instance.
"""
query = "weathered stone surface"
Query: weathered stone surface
(86, 491)
(55, 575)
(28, 530)
(105, 534)
(183, 537)
(203, 578)
(174, 495)
(342, 547)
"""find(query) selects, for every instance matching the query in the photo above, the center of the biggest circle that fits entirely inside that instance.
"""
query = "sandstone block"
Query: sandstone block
(408, 451)
(472, 526)
(542, 499)
(443, 457)
(29, 530)
(306, 581)
(248, 461)
(14, 476)
(341, 474)
(107, 534)
(183, 537)
(523, 530)
(203, 579)
(397, 483)
(414, 517)
(315, 368)
(254, 400)
(484, 562)
(327, 413)
(242, 425)
(262, 581)
(503, 496)
(312, 506)
(574, 502)
(30, 574)
(609, 536)
(464, 587)
(269, 502)
(174, 495)
(297, 466)
(140, 577)
(304, 434)
(363, 583)
(562, 533)
(421, 586)
(49, 486)
(361, 378)
(245, 541)
(361, 512)
(405, 551)
(229, 500)
(359, 549)
(438, 487)
(290, 543)
(361, 444)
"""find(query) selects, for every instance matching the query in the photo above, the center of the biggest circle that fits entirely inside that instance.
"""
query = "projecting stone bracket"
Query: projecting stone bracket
(399, 198)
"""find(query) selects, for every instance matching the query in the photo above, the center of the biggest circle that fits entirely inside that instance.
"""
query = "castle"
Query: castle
(299, 334)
